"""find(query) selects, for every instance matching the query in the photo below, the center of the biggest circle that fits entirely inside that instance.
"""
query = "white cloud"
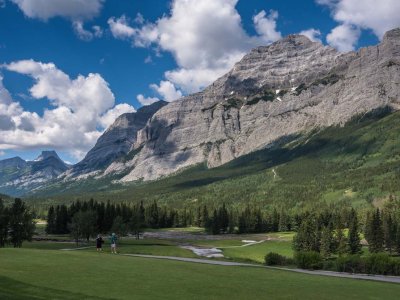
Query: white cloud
(378, 16)
(343, 37)
(81, 109)
(97, 31)
(312, 34)
(148, 59)
(146, 100)
(139, 18)
(81, 32)
(84, 34)
(75, 10)
(71, 9)
(266, 26)
(120, 28)
(167, 90)
(5, 97)
(206, 38)
(109, 117)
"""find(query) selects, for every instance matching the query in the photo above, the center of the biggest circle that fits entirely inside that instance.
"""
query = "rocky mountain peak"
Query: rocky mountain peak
(393, 34)
(47, 154)
(116, 141)
(277, 91)
(286, 63)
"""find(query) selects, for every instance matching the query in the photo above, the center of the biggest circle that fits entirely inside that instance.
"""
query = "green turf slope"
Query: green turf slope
(46, 274)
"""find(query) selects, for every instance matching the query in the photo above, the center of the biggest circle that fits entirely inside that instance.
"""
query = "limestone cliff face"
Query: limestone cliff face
(116, 141)
(289, 87)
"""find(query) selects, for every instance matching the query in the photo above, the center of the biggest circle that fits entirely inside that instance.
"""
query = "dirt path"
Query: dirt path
(391, 279)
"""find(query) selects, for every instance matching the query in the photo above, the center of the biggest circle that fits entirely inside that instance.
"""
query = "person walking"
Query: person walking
(99, 243)
(113, 240)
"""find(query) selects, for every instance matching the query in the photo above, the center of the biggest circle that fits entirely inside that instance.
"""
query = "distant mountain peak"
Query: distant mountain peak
(46, 154)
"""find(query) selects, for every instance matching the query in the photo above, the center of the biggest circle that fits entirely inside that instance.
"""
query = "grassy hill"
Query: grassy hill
(52, 274)
(357, 164)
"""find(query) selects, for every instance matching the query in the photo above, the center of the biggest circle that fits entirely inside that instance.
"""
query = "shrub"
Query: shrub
(378, 263)
(395, 267)
(351, 264)
(308, 260)
(275, 259)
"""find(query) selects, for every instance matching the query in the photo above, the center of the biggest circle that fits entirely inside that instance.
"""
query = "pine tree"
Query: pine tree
(389, 231)
(216, 224)
(374, 232)
(327, 241)
(4, 220)
(398, 238)
(205, 216)
(83, 225)
(354, 241)
(153, 214)
(341, 242)
(51, 221)
(21, 223)
(223, 217)
(275, 221)
(307, 237)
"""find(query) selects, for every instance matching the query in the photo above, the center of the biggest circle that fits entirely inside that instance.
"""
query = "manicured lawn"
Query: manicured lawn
(256, 253)
(45, 274)
(148, 247)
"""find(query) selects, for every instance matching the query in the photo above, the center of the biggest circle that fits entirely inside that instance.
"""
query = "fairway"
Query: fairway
(49, 274)
(256, 253)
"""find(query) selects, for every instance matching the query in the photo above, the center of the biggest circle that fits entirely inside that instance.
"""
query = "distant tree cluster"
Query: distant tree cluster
(245, 220)
(16, 224)
(85, 219)
(324, 233)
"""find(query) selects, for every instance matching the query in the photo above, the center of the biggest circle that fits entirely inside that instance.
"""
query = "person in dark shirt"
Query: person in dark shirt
(99, 243)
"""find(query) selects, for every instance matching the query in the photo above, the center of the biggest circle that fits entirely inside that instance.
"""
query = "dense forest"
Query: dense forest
(357, 165)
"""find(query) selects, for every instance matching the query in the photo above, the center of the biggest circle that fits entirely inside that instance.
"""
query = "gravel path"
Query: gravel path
(391, 279)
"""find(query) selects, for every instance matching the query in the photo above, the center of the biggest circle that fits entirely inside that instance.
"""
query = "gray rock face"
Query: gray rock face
(116, 141)
(289, 87)
(18, 176)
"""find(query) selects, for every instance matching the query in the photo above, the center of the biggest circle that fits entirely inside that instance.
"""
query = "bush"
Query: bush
(275, 259)
(395, 267)
(351, 264)
(378, 263)
(308, 260)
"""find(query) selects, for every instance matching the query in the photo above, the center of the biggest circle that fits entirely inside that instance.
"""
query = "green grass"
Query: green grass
(257, 252)
(45, 274)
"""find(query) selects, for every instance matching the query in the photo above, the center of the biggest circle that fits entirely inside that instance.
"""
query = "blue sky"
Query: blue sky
(142, 50)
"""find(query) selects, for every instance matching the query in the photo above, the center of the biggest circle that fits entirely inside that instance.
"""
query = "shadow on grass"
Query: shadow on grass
(11, 289)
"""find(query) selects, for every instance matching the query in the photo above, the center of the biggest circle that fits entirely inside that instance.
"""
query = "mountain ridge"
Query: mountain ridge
(287, 89)
(18, 176)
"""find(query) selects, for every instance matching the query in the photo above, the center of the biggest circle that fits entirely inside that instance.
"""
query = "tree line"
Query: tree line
(326, 235)
(85, 219)
(16, 224)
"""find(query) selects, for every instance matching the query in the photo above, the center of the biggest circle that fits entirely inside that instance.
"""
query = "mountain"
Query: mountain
(18, 176)
(276, 92)
(277, 96)
(355, 164)
(116, 141)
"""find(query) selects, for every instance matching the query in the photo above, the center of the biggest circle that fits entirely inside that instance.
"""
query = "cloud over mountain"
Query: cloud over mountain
(205, 37)
(81, 109)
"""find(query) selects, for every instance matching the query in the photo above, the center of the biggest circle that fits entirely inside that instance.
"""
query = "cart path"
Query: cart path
(383, 278)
